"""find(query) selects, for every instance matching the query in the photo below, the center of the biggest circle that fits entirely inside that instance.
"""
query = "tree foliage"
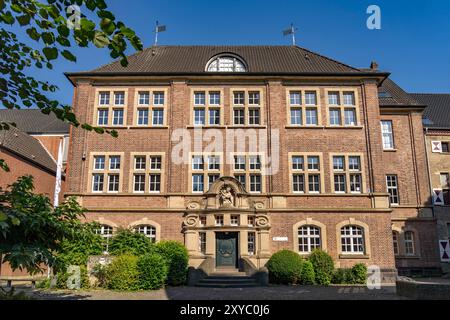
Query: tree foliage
(32, 232)
(54, 26)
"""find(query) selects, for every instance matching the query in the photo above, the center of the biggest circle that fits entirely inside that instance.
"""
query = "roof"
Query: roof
(390, 94)
(438, 108)
(27, 147)
(33, 121)
(193, 60)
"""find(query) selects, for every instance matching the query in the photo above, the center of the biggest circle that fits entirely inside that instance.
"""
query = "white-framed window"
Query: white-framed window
(295, 97)
(255, 162)
(113, 183)
(119, 98)
(335, 116)
(239, 97)
(314, 183)
(142, 117)
(254, 98)
(352, 239)
(311, 116)
(350, 116)
(253, 116)
(99, 162)
(218, 220)
(102, 117)
(251, 243)
(234, 220)
(105, 231)
(298, 162)
(308, 238)
(214, 116)
(296, 116)
(118, 117)
(139, 182)
(338, 163)
(333, 98)
(199, 116)
(114, 162)
(226, 64)
(213, 163)
(147, 230)
(197, 163)
(197, 182)
(305, 173)
(158, 98)
(212, 178)
(239, 163)
(395, 237)
(388, 136)
(97, 182)
(199, 98)
(349, 98)
(239, 116)
(409, 243)
(298, 182)
(144, 98)
(158, 117)
(155, 182)
(313, 163)
(392, 188)
(241, 178)
(202, 220)
(311, 98)
(339, 183)
(103, 98)
(250, 220)
(255, 182)
(214, 98)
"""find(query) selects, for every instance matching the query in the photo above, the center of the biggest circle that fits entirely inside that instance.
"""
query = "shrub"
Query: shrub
(100, 272)
(323, 266)
(285, 267)
(62, 277)
(177, 258)
(307, 275)
(129, 242)
(343, 276)
(153, 271)
(359, 272)
(122, 273)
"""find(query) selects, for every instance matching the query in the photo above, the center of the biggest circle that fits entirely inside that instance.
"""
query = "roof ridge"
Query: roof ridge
(330, 59)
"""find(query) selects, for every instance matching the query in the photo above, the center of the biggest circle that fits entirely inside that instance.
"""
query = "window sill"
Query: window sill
(246, 126)
(344, 127)
(390, 150)
(209, 126)
(148, 127)
(415, 257)
(354, 256)
(304, 127)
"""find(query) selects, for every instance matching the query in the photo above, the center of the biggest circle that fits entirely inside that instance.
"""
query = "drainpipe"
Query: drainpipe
(429, 172)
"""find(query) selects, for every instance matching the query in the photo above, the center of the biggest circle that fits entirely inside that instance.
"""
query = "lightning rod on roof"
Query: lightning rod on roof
(159, 28)
(292, 31)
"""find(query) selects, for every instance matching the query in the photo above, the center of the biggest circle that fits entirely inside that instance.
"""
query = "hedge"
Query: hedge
(285, 267)
(153, 270)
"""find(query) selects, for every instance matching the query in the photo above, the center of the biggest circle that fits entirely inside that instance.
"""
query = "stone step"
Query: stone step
(227, 285)
(227, 280)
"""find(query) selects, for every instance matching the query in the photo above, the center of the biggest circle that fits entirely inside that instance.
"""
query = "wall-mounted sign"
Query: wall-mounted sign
(438, 197)
(284, 239)
(436, 146)
(444, 249)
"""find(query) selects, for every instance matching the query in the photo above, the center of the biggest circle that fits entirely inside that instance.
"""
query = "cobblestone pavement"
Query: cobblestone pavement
(256, 293)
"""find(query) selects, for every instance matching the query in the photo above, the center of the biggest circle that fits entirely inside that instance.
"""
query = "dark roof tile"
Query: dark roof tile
(33, 121)
(438, 108)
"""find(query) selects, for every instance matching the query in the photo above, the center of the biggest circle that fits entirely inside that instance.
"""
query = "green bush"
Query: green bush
(153, 271)
(177, 257)
(122, 273)
(307, 275)
(343, 276)
(285, 267)
(323, 266)
(359, 272)
(62, 277)
(129, 242)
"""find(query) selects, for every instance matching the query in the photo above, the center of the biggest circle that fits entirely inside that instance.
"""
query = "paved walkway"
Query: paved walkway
(256, 293)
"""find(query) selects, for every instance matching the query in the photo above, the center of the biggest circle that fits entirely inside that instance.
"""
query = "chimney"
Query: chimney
(374, 66)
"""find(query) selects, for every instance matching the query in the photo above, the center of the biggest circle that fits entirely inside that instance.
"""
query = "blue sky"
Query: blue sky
(413, 44)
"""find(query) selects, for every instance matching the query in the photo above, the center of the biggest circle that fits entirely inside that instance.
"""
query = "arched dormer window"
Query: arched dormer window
(226, 63)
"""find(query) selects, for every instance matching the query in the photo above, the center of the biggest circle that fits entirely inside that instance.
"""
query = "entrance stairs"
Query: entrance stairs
(228, 278)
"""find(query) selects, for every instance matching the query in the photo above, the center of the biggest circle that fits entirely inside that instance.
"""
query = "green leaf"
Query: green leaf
(127, 32)
(48, 37)
(43, 13)
(86, 24)
(50, 53)
(91, 5)
(15, 221)
(107, 26)
(23, 20)
(33, 34)
(101, 4)
(63, 30)
(68, 55)
(99, 130)
(63, 41)
(7, 18)
(100, 39)
(106, 14)
(16, 8)
(3, 216)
